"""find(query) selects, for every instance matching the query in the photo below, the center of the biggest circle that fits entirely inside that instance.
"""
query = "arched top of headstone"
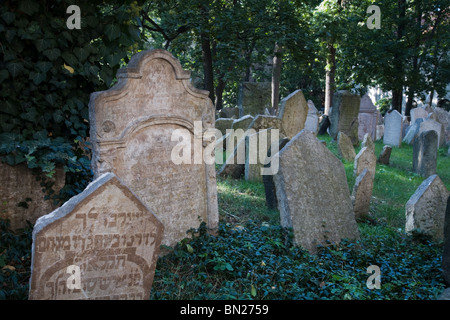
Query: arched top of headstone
(366, 105)
(153, 86)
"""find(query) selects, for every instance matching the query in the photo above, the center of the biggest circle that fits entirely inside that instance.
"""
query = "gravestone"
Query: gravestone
(380, 132)
(446, 251)
(223, 124)
(242, 123)
(393, 128)
(425, 153)
(108, 235)
(269, 184)
(365, 159)
(135, 128)
(425, 210)
(21, 195)
(312, 193)
(257, 146)
(324, 124)
(385, 155)
(412, 131)
(292, 111)
(430, 124)
(368, 142)
(312, 119)
(443, 117)
(254, 98)
(362, 194)
(263, 122)
(418, 113)
(228, 112)
(367, 118)
(345, 147)
(344, 115)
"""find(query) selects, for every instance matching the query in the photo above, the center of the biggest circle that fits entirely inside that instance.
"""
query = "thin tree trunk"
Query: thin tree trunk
(219, 92)
(207, 65)
(397, 90)
(276, 75)
(329, 78)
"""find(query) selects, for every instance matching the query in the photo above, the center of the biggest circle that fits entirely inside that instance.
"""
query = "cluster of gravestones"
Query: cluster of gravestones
(104, 242)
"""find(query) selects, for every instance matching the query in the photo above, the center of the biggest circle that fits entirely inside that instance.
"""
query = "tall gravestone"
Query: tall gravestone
(254, 98)
(135, 128)
(393, 128)
(101, 244)
(312, 119)
(367, 118)
(425, 210)
(344, 115)
(293, 110)
(425, 153)
(313, 194)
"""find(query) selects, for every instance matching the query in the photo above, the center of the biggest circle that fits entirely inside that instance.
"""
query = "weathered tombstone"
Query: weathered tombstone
(223, 124)
(412, 131)
(405, 127)
(292, 111)
(228, 112)
(21, 195)
(312, 119)
(418, 113)
(365, 159)
(393, 128)
(101, 244)
(430, 124)
(312, 192)
(425, 210)
(136, 127)
(254, 98)
(362, 194)
(242, 123)
(443, 117)
(446, 251)
(380, 132)
(262, 122)
(385, 155)
(269, 185)
(345, 147)
(256, 147)
(367, 118)
(367, 142)
(425, 153)
(344, 115)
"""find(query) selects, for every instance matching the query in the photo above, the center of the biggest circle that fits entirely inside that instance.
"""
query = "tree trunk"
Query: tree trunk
(207, 65)
(397, 90)
(397, 98)
(219, 92)
(329, 78)
(276, 75)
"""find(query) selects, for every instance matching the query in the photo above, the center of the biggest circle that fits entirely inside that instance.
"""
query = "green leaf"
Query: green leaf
(112, 31)
(52, 53)
(8, 17)
(15, 68)
(69, 58)
(82, 53)
(44, 66)
(29, 7)
(37, 77)
(42, 44)
(3, 75)
(253, 291)
(189, 248)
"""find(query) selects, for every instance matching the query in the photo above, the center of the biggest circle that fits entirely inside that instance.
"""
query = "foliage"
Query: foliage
(47, 74)
(383, 105)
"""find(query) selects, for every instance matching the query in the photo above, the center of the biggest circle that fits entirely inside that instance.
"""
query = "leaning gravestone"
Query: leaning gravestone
(345, 147)
(393, 128)
(362, 194)
(344, 115)
(385, 155)
(312, 119)
(367, 118)
(425, 210)
(223, 124)
(135, 128)
(365, 159)
(413, 129)
(312, 193)
(430, 124)
(368, 142)
(418, 113)
(254, 98)
(256, 147)
(425, 153)
(108, 235)
(21, 195)
(293, 110)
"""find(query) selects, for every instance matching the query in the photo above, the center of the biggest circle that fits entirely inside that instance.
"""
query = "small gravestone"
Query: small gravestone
(345, 147)
(418, 113)
(312, 119)
(101, 244)
(256, 147)
(430, 124)
(269, 185)
(344, 115)
(425, 153)
(362, 194)
(367, 142)
(365, 159)
(367, 118)
(263, 122)
(380, 132)
(228, 112)
(254, 98)
(411, 134)
(312, 193)
(21, 196)
(446, 251)
(385, 155)
(242, 123)
(293, 110)
(425, 210)
(136, 127)
(393, 128)
(223, 124)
